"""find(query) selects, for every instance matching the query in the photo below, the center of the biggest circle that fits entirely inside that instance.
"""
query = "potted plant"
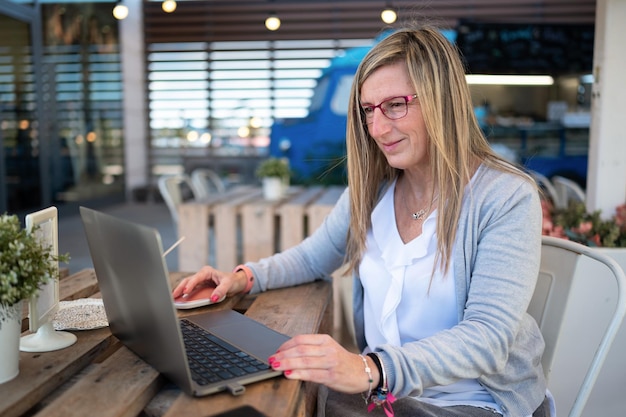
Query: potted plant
(25, 265)
(574, 223)
(274, 174)
(590, 229)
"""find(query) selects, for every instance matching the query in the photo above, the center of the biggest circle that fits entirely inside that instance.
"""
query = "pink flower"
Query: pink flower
(546, 208)
(558, 231)
(547, 225)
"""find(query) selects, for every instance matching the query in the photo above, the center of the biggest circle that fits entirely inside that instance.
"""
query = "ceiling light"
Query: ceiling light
(509, 79)
(243, 132)
(272, 22)
(389, 15)
(120, 11)
(168, 6)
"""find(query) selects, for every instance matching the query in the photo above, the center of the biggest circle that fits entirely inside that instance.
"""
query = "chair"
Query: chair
(578, 322)
(206, 182)
(175, 189)
(547, 187)
(567, 190)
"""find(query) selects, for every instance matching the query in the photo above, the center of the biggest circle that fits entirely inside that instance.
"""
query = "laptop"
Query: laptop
(203, 354)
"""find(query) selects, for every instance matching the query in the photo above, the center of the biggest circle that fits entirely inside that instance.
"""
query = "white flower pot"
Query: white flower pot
(10, 330)
(273, 188)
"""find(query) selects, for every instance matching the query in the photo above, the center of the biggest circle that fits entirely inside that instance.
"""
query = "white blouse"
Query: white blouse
(399, 307)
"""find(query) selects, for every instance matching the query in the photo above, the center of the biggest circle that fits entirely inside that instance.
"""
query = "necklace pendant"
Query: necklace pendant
(418, 215)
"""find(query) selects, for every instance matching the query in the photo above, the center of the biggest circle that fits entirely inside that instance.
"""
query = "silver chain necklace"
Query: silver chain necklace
(421, 213)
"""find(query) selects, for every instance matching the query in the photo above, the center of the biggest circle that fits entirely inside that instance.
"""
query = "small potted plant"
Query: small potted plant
(274, 173)
(590, 229)
(25, 266)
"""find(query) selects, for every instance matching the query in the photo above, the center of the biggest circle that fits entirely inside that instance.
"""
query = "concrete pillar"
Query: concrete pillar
(136, 147)
(606, 181)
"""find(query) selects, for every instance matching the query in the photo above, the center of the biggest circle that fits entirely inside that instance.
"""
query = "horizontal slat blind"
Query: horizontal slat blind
(215, 88)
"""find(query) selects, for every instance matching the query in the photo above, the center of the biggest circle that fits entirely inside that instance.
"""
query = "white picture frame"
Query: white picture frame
(44, 305)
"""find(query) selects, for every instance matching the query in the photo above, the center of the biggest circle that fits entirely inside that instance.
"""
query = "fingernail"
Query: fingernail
(215, 297)
(287, 373)
(185, 295)
(275, 364)
(271, 359)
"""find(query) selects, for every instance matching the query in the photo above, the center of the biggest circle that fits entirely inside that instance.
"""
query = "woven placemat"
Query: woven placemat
(81, 314)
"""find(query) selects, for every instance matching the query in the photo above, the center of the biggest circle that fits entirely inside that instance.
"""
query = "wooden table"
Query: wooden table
(98, 376)
(240, 225)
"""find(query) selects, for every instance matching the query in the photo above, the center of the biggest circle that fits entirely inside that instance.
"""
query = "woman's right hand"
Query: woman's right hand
(226, 283)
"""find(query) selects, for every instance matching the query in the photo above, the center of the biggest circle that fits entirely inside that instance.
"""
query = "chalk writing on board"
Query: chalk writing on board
(526, 48)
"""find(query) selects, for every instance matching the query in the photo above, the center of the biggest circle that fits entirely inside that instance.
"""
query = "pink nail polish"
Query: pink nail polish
(214, 298)
(271, 360)
(275, 364)
(287, 373)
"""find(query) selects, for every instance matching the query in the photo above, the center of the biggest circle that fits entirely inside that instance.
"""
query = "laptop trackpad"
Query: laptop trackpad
(243, 332)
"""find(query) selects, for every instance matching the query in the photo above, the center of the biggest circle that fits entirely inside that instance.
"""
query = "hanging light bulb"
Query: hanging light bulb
(388, 15)
(272, 22)
(120, 11)
(168, 6)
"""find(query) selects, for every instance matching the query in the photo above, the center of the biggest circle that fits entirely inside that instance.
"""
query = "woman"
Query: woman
(443, 238)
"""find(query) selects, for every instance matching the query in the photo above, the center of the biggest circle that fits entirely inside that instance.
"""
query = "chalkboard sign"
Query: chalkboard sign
(526, 48)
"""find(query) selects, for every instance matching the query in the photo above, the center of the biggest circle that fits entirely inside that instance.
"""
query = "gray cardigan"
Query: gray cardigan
(496, 263)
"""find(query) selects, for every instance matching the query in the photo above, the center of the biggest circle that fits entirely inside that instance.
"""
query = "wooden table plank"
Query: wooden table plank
(323, 205)
(293, 229)
(82, 284)
(195, 222)
(293, 310)
(257, 229)
(42, 373)
(225, 217)
(121, 386)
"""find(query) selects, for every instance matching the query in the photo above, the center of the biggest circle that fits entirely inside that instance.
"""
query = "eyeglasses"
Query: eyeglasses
(393, 108)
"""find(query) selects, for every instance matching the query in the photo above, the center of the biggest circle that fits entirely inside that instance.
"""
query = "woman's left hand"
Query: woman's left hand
(319, 358)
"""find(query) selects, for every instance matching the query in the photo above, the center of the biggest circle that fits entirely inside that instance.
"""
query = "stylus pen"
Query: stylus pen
(173, 246)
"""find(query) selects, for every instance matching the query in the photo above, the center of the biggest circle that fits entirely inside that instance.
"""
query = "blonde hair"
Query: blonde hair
(456, 144)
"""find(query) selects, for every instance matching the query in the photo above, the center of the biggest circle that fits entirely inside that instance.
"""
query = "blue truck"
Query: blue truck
(315, 145)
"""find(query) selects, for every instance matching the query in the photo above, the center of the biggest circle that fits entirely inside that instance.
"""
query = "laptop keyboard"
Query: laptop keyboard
(212, 359)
